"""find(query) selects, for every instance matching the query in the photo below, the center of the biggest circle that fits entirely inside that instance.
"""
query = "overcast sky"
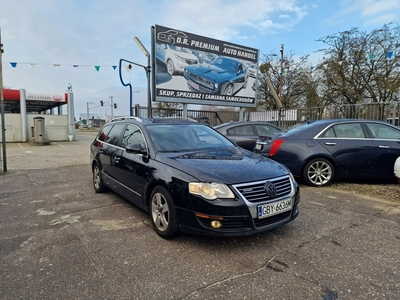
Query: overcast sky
(80, 35)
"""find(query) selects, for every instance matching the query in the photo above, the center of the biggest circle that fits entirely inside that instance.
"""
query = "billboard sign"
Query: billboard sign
(194, 69)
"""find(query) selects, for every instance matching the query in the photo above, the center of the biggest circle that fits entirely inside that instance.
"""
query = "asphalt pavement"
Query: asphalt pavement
(61, 240)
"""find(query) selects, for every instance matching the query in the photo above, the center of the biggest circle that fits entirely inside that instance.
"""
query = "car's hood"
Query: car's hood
(228, 165)
(210, 72)
(184, 54)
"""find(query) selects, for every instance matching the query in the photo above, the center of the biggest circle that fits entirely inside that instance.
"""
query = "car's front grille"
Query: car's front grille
(200, 80)
(256, 192)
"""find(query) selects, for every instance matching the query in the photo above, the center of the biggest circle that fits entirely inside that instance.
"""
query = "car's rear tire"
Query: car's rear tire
(318, 172)
(98, 184)
(170, 67)
(163, 214)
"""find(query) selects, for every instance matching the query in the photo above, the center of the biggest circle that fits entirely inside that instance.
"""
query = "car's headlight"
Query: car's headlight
(210, 191)
(179, 58)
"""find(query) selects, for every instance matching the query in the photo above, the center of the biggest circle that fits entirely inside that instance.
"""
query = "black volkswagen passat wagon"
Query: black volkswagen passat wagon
(191, 178)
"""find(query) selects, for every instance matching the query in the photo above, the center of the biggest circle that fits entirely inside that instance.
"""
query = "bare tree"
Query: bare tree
(360, 67)
(291, 78)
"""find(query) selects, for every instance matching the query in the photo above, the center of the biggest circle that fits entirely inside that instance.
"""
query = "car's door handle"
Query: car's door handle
(116, 158)
(330, 144)
(383, 147)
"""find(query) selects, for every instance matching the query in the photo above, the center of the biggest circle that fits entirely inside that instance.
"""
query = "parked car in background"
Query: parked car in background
(204, 57)
(175, 58)
(224, 76)
(397, 169)
(191, 178)
(253, 69)
(322, 151)
(246, 133)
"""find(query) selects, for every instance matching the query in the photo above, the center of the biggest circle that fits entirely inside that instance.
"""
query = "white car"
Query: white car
(397, 168)
(175, 58)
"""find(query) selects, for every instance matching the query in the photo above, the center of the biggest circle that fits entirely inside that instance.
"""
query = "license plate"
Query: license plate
(194, 85)
(270, 209)
(258, 146)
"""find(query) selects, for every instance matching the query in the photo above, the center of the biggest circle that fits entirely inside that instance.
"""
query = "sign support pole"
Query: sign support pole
(3, 125)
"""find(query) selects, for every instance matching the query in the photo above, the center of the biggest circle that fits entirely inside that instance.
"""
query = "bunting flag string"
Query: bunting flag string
(389, 55)
(97, 68)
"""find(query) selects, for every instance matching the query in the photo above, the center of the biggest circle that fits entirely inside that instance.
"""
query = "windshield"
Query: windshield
(180, 138)
(178, 48)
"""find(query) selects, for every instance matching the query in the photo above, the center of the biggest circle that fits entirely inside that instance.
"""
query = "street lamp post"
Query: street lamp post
(280, 85)
(145, 52)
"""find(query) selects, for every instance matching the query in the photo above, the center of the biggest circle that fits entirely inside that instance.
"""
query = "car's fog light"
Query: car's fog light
(216, 224)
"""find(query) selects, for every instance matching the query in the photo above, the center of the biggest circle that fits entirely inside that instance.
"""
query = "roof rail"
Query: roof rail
(121, 118)
(180, 118)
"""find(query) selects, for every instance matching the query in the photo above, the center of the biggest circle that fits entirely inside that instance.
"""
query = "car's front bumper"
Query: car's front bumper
(235, 219)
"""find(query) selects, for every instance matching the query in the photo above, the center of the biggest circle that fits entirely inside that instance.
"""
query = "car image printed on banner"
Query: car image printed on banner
(225, 76)
(199, 70)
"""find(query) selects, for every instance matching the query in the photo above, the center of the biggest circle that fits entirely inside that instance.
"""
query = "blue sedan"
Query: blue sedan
(322, 151)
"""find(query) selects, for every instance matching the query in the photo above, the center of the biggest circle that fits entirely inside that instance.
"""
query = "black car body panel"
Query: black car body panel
(135, 175)
(246, 133)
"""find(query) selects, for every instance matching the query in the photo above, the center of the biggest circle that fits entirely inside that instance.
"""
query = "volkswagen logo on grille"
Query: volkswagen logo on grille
(270, 189)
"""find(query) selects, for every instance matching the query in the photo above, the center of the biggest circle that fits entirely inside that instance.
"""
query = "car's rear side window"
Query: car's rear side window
(114, 136)
(103, 135)
(241, 130)
(382, 131)
(345, 130)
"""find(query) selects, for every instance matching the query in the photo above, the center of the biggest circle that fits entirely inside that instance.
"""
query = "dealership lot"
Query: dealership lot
(60, 240)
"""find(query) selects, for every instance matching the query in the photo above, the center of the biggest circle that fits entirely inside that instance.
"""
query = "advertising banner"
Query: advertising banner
(194, 69)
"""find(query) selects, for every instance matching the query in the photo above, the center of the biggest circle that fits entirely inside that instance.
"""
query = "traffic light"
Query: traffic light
(101, 102)
(115, 105)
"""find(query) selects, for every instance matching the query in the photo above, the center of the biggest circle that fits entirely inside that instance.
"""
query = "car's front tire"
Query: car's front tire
(163, 214)
(319, 172)
(229, 90)
(170, 67)
(98, 184)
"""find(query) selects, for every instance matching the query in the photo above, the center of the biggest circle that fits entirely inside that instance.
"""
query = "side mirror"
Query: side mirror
(135, 149)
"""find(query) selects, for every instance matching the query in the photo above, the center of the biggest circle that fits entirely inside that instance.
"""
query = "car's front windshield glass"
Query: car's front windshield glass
(180, 138)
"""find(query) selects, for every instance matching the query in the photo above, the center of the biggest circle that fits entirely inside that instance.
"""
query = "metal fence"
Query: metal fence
(387, 112)
(210, 118)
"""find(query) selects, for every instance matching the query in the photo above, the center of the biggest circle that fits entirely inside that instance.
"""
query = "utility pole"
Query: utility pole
(3, 123)
(87, 112)
(112, 107)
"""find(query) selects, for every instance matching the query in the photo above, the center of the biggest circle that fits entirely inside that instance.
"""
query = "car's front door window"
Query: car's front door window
(133, 135)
